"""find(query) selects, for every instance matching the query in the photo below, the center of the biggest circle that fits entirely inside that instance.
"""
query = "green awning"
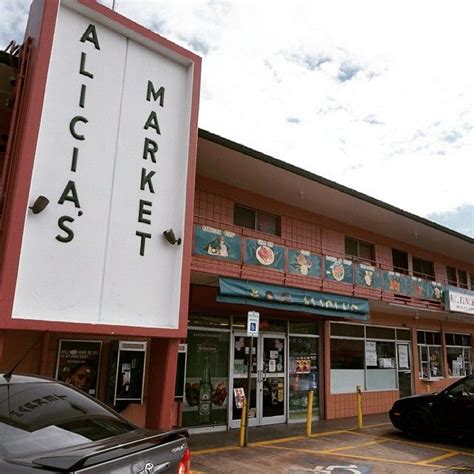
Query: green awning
(291, 299)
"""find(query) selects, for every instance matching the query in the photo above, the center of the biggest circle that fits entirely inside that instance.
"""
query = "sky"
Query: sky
(377, 96)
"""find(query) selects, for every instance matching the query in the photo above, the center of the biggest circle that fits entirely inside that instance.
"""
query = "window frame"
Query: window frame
(358, 257)
(257, 213)
(430, 347)
(465, 349)
(403, 270)
(460, 282)
(422, 274)
(365, 338)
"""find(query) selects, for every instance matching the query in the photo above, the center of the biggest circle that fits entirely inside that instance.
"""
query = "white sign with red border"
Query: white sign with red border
(112, 158)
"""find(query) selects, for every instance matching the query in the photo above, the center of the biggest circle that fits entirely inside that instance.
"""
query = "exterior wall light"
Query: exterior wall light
(171, 238)
(39, 205)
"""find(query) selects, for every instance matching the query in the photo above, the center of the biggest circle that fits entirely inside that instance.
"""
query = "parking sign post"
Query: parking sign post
(253, 320)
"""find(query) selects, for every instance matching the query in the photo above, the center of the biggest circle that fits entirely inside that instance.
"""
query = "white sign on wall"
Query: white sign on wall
(112, 158)
(460, 302)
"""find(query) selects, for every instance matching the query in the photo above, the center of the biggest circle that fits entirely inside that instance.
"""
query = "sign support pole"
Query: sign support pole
(249, 386)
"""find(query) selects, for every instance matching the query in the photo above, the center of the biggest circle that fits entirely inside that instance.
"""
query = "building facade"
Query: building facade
(350, 290)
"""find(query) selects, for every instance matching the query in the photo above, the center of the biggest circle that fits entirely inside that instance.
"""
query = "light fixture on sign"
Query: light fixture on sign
(39, 205)
(171, 238)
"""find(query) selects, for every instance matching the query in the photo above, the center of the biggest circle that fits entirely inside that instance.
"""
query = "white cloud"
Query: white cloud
(375, 95)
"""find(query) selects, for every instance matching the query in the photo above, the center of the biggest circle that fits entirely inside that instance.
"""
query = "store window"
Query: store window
(430, 354)
(457, 277)
(458, 351)
(366, 356)
(207, 378)
(304, 369)
(471, 278)
(423, 269)
(257, 220)
(360, 250)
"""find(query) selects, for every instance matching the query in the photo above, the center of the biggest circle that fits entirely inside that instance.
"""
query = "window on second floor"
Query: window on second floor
(360, 249)
(423, 268)
(400, 261)
(457, 277)
(257, 220)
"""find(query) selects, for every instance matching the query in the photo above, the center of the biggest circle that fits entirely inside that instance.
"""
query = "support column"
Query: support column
(326, 365)
(3, 337)
(161, 382)
(45, 368)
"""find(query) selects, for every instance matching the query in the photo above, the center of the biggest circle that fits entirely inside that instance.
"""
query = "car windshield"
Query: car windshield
(37, 417)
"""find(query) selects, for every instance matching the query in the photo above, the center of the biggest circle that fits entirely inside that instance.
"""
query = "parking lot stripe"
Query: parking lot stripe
(414, 443)
(354, 456)
(276, 441)
(354, 446)
(439, 458)
(214, 450)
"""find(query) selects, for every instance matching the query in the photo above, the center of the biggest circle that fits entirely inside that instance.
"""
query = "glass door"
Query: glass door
(272, 379)
(404, 369)
(268, 384)
(239, 377)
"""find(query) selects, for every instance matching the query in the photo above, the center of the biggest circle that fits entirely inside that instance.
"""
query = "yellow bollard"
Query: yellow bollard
(359, 407)
(427, 387)
(309, 415)
(243, 423)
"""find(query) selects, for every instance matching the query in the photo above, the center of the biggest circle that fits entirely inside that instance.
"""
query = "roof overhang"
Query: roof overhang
(236, 165)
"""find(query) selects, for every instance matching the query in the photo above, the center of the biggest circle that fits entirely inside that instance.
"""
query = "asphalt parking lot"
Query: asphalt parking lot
(377, 448)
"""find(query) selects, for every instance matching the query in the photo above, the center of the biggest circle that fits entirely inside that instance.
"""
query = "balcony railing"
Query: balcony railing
(287, 262)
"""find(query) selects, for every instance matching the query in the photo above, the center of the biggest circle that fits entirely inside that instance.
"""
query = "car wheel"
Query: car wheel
(417, 425)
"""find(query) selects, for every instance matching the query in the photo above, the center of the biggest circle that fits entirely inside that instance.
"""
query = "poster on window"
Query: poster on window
(371, 354)
(78, 364)
(403, 361)
(207, 382)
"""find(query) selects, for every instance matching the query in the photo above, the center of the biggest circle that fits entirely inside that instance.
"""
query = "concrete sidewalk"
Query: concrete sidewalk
(217, 439)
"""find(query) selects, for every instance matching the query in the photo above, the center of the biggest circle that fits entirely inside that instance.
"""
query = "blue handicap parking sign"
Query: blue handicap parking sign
(253, 327)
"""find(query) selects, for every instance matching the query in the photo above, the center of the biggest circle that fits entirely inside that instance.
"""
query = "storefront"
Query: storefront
(285, 366)
(286, 357)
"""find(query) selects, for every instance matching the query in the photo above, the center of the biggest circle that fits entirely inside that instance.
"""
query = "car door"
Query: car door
(453, 410)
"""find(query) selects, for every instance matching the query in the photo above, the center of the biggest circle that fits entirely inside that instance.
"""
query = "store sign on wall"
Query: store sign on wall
(460, 302)
(112, 158)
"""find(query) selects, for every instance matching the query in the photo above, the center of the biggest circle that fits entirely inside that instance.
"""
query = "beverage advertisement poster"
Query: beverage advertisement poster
(207, 383)
(78, 364)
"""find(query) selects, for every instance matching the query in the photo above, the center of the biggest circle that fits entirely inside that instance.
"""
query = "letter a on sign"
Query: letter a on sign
(253, 320)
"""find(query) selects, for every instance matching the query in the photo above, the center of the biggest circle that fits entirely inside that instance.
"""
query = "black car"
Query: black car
(46, 425)
(450, 411)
